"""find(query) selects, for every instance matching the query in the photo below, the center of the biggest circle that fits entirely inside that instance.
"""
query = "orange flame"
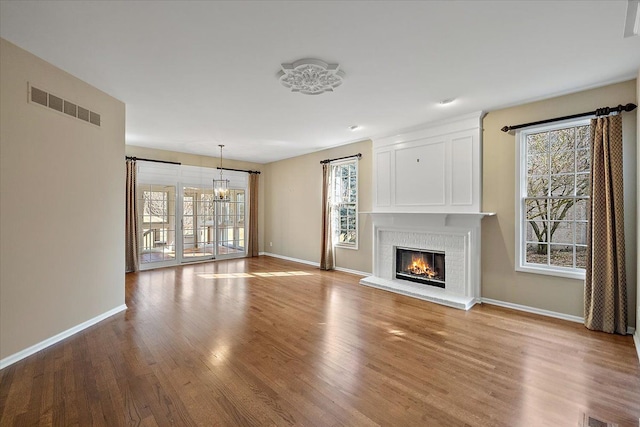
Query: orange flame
(421, 268)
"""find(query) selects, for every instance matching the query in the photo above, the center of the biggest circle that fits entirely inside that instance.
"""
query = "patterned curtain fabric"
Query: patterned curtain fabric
(252, 244)
(131, 219)
(326, 257)
(605, 289)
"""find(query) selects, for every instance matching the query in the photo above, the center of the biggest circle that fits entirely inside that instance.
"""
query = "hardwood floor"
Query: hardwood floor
(263, 341)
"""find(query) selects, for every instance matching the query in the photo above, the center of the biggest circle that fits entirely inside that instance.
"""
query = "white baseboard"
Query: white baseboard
(636, 340)
(315, 264)
(534, 310)
(9, 360)
(348, 270)
(630, 330)
(288, 258)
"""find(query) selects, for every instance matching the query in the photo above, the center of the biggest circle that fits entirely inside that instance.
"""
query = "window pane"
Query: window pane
(581, 233)
(561, 232)
(582, 137)
(583, 184)
(562, 139)
(538, 186)
(562, 185)
(536, 209)
(538, 164)
(537, 231)
(562, 255)
(561, 209)
(351, 221)
(583, 161)
(537, 143)
(580, 209)
(563, 162)
(581, 256)
(537, 253)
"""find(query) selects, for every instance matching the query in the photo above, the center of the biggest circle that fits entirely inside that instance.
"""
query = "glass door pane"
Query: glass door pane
(198, 237)
(230, 222)
(157, 224)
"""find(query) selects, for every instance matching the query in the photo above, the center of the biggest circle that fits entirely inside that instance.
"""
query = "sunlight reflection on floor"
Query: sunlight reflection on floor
(245, 275)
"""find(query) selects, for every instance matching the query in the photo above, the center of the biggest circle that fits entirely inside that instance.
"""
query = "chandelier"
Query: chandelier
(311, 76)
(221, 186)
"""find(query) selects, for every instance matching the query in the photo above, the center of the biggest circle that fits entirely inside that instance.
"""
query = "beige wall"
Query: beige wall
(637, 264)
(500, 281)
(293, 220)
(209, 162)
(61, 205)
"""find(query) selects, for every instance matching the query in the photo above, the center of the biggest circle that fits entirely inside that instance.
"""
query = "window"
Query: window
(345, 204)
(554, 164)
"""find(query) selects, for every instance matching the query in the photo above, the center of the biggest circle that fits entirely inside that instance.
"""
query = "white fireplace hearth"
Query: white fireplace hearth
(427, 196)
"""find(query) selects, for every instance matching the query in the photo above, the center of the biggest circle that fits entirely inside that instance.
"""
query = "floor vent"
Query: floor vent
(46, 99)
(591, 421)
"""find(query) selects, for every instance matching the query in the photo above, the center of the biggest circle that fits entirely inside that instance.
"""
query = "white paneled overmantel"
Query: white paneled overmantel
(427, 197)
(435, 169)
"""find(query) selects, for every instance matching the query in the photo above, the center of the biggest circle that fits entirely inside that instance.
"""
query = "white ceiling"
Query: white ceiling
(197, 74)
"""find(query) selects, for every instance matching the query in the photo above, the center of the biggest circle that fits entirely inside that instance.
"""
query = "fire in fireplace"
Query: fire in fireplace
(420, 266)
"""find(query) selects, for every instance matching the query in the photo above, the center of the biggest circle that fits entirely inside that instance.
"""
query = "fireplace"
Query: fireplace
(420, 266)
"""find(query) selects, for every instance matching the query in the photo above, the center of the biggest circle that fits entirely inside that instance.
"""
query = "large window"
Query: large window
(553, 199)
(345, 204)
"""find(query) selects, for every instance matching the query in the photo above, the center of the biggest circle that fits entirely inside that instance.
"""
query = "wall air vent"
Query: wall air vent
(55, 102)
(46, 99)
(39, 96)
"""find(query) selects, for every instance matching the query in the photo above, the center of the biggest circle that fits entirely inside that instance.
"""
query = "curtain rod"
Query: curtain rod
(358, 156)
(151, 160)
(599, 112)
(239, 170)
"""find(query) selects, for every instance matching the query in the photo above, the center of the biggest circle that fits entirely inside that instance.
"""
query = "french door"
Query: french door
(198, 213)
(212, 228)
(156, 224)
(188, 225)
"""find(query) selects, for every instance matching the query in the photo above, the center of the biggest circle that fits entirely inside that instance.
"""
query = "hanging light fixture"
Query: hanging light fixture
(221, 186)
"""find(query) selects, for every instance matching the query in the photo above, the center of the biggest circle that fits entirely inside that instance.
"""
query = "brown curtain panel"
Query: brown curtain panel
(252, 244)
(605, 289)
(326, 257)
(131, 219)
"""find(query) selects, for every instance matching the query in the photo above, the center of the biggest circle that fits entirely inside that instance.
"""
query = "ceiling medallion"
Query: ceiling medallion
(311, 76)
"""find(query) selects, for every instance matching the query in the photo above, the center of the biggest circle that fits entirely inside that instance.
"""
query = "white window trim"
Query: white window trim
(521, 170)
(338, 163)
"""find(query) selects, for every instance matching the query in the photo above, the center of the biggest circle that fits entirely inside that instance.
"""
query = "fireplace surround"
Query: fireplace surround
(457, 236)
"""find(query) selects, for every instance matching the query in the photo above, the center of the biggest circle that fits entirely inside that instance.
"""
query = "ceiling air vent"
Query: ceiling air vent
(46, 99)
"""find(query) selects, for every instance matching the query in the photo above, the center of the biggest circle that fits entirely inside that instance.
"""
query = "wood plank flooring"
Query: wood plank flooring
(262, 341)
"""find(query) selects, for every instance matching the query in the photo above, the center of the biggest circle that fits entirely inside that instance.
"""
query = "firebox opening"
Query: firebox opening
(426, 267)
